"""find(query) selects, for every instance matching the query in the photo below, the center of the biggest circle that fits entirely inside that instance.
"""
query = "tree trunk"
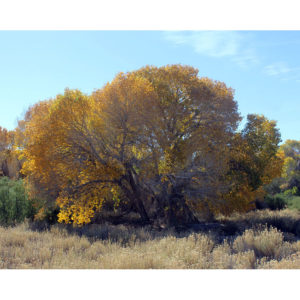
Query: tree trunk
(172, 210)
(4, 168)
(164, 210)
(135, 195)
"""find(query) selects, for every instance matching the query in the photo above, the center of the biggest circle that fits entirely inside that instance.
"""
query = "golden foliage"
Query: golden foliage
(151, 133)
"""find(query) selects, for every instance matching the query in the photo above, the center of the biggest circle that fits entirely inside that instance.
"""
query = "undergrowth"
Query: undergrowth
(261, 239)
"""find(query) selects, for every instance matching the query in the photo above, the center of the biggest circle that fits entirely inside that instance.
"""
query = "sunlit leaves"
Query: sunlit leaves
(154, 137)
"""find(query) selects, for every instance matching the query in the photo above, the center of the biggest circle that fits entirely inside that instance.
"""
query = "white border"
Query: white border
(149, 284)
(149, 15)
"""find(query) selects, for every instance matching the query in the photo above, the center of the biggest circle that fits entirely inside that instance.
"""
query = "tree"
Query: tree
(14, 204)
(9, 164)
(291, 171)
(255, 160)
(199, 117)
(157, 137)
(4, 149)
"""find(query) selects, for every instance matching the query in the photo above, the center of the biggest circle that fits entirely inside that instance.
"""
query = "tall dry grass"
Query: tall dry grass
(123, 247)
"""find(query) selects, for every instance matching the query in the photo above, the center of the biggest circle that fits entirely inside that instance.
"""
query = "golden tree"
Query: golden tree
(255, 162)
(161, 138)
(9, 163)
(157, 137)
(291, 169)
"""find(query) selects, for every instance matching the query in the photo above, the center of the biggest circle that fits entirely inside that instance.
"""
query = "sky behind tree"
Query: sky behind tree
(263, 67)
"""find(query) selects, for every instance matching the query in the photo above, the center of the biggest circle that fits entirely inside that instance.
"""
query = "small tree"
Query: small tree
(14, 203)
(255, 161)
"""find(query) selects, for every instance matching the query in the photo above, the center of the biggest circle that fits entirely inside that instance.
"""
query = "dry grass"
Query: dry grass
(120, 247)
(286, 219)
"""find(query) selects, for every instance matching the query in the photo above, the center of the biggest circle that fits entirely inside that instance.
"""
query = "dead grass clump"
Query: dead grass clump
(223, 258)
(244, 260)
(95, 251)
(264, 242)
(13, 239)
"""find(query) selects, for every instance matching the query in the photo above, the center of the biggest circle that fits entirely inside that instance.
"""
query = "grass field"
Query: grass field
(260, 239)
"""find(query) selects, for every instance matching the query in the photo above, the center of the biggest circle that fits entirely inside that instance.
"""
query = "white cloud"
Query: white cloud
(283, 71)
(246, 58)
(217, 44)
(278, 68)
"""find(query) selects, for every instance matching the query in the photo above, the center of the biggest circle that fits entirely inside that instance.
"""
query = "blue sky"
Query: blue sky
(263, 67)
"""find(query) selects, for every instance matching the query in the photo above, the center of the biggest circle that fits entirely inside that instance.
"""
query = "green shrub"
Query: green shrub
(14, 203)
(293, 202)
(287, 199)
(292, 192)
(278, 201)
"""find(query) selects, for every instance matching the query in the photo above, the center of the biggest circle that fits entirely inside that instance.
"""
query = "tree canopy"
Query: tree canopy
(291, 170)
(162, 140)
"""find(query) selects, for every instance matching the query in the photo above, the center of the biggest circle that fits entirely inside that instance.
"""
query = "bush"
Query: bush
(264, 242)
(292, 192)
(293, 202)
(14, 203)
(287, 199)
(278, 201)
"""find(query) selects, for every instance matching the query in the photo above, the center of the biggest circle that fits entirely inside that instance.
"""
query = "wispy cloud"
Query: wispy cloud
(212, 43)
(282, 71)
(239, 47)
(278, 68)
(230, 44)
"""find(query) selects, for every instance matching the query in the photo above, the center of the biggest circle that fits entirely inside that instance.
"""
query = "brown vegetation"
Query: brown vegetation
(255, 240)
